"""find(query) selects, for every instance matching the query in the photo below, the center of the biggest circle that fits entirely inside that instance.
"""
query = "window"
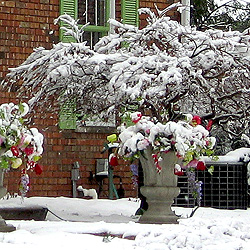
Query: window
(97, 13)
(94, 12)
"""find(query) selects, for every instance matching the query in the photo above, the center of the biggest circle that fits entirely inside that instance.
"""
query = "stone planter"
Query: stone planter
(160, 189)
(3, 226)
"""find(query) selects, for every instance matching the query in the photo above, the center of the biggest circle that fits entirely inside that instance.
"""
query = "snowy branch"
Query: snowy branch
(164, 67)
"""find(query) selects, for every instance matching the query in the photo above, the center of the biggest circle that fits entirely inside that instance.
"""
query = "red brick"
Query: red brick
(10, 3)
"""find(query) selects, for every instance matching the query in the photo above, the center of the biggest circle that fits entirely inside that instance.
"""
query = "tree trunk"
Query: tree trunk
(160, 189)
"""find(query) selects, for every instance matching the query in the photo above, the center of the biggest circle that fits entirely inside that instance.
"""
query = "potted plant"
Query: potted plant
(165, 150)
(20, 148)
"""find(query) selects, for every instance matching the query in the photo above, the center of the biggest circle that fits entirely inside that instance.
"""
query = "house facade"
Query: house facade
(28, 24)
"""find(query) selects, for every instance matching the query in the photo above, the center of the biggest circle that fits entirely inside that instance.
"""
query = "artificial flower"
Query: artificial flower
(201, 166)
(16, 163)
(28, 151)
(15, 151)
(209, 125)
(196, 120)
(38, 169)
(136, 117)
(113, 161)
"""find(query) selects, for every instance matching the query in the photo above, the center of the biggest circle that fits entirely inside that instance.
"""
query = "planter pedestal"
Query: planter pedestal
(160, 189)
(3, 226)
(159, 201)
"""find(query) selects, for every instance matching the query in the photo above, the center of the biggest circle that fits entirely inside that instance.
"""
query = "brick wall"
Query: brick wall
(25, 25)
(161, 4)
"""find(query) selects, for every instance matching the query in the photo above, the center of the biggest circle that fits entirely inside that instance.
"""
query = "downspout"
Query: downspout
(185, 14)
(112, 15)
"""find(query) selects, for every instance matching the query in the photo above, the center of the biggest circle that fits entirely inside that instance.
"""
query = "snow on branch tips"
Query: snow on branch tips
(163, 67)
(71, 27)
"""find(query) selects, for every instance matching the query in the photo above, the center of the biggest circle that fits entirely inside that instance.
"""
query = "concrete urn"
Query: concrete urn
(160, 189)
(3, 226)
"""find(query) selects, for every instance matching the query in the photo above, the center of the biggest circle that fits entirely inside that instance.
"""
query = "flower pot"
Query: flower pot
(160, 189)
(3, 226)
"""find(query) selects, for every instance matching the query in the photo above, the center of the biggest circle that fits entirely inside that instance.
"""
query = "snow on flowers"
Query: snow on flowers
(20, 147)
(188, 138)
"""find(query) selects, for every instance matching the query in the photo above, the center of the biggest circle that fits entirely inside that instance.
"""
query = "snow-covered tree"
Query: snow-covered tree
(162, 69)
(222, 14)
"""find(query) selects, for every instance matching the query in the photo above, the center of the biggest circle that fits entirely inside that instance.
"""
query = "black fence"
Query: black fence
(226, 188)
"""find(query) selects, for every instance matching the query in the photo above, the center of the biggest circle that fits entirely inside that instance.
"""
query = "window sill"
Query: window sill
(96, 129)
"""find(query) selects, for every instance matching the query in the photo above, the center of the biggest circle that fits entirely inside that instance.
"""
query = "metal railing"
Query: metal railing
(226, 188)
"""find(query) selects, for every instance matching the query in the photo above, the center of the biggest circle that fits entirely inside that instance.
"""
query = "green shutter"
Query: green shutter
(69, 7)
(67, 115)
(130, 12)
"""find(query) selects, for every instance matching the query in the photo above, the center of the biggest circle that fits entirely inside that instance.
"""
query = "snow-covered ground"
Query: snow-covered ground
(96, 224)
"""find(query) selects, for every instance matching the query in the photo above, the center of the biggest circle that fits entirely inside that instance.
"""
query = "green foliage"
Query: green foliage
(210, 170)
(4, 163)
(126, 119)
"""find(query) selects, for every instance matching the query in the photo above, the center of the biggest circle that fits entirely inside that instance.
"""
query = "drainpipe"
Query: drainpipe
(185, 14)
(75, 176)
(112, 15)
(3, 226)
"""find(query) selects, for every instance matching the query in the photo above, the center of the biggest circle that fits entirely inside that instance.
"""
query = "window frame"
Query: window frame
(71, 7)
(67, 117)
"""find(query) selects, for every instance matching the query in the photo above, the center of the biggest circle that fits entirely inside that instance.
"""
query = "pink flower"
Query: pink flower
(1, 140)
(28, 151)
(192, 164)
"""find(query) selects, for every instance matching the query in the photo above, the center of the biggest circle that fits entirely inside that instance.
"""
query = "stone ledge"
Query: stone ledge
(37, 213)
(95, 129)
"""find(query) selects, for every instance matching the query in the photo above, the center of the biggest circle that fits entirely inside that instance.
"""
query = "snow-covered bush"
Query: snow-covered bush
(20, 147)
(164, 67)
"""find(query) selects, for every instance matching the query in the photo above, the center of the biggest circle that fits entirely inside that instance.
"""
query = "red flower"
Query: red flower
(28, 151)
(196, 120)
(155, 157)
(158, 167)
(201, 166)
(38, 169)
(179, 155)
(113, 161)
(136, 117)
(31, 164)
(209, 125)
(178, 172)
(15, 151)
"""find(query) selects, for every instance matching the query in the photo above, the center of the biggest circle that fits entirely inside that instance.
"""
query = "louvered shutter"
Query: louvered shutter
(67, 115)
(130, 12)
(68, 7)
